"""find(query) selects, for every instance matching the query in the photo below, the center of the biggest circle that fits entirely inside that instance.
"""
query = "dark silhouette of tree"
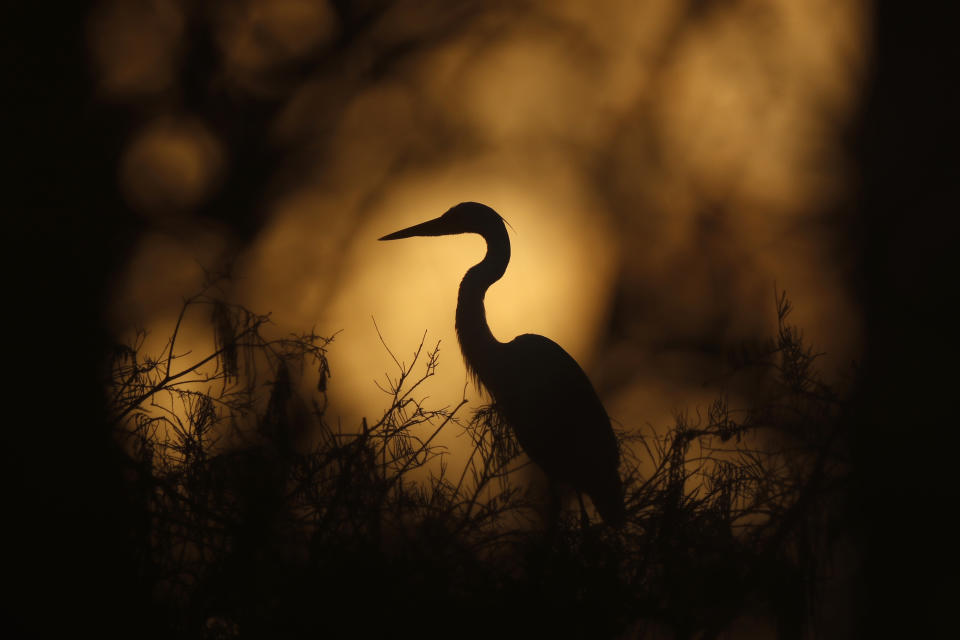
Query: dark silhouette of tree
(262, 517)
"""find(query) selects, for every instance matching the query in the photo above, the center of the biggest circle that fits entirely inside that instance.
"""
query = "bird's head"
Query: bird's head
(466, 217)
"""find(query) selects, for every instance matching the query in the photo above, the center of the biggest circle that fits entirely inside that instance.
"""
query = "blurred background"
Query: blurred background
(665, 166)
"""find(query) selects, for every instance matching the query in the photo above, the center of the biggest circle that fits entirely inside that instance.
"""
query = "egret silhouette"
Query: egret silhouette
(538, 387)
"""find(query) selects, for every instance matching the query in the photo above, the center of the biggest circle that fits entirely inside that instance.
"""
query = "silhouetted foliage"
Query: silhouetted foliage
(261, 516)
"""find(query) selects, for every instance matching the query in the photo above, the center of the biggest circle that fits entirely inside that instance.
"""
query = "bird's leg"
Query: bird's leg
(584, 518)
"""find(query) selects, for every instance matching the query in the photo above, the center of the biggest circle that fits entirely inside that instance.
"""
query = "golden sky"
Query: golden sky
(663, 165)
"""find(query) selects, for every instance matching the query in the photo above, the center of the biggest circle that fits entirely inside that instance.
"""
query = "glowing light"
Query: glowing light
(170, 166)
(673, 160)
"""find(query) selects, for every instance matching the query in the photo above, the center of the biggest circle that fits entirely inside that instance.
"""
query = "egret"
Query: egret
(540, 390)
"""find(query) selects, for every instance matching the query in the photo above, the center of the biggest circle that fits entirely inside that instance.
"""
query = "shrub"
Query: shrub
(262, 518)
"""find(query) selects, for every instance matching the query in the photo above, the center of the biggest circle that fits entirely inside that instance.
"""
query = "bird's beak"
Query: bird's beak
(435, 227)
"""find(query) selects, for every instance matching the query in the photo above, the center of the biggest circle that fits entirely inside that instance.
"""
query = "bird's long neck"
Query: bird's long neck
(473, 332)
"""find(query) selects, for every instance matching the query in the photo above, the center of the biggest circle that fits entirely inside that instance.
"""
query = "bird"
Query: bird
(538, 388)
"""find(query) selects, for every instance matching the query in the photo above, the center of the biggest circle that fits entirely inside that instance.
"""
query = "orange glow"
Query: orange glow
(256, 36)
(678, 160)
(170, 166)
(164, 270)
(558, 282)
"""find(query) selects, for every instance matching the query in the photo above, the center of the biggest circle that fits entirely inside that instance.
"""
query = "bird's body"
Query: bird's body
(537, 386)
